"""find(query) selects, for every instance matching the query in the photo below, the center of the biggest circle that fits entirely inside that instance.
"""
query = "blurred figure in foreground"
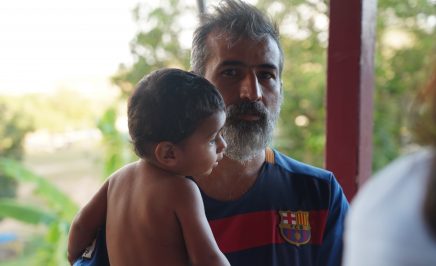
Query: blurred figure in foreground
(392, 220)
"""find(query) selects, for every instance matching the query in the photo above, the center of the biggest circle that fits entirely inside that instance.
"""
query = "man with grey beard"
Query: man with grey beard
(247, 138)
(264, 208)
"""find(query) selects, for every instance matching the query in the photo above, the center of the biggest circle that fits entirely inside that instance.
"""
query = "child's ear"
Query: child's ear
(166, 153)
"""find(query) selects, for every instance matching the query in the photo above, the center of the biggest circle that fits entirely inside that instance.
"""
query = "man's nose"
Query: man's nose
(250, 88)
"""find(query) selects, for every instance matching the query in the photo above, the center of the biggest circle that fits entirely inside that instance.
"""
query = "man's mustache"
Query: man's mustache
(246, 108)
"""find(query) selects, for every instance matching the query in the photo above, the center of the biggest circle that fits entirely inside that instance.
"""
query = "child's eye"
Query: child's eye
(212, 142)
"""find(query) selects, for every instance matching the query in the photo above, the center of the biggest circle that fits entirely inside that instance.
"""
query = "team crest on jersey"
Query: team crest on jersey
(295, 227)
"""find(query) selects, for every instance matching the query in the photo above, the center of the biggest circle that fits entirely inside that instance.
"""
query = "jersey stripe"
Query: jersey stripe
(241, 232)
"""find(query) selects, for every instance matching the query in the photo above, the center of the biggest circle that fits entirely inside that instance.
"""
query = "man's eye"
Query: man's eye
(229, 72)
(266, 75)
(212, 142)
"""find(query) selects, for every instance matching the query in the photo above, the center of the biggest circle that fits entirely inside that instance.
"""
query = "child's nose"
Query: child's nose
(222, 144)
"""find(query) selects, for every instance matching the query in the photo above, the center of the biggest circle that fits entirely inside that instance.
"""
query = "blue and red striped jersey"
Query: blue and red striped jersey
(292, 215)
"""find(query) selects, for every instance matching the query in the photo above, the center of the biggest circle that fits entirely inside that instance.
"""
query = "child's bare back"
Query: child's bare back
(146, 206)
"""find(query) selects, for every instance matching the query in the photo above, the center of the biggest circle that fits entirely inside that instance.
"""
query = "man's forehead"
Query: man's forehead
(230, 40)
(234, 49)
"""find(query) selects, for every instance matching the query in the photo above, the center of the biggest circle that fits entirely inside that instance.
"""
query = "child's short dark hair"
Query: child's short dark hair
(168, 105)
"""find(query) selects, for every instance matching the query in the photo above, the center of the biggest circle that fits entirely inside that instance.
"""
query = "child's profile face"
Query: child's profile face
(205, 147)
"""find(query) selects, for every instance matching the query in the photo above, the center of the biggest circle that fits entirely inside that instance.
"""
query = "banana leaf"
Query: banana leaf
(57, 201)
(10, 208)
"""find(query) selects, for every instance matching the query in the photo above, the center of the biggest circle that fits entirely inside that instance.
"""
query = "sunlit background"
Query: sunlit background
(67, 67)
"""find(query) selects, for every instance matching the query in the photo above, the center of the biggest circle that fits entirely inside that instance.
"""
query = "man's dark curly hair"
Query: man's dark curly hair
(168, 105)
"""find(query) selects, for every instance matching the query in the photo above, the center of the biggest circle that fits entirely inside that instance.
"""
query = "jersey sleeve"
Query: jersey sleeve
(332, 246)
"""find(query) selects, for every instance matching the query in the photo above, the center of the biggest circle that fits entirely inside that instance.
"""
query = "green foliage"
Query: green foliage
(7, 187)
(57, 201)
(24, 212)
(58, 112)
(157, 42)
(405, 45)
(20, 115)
(55, 212)
(156, 45)
(117, 149)
(13, 128)
(52, 252)
(302, 125)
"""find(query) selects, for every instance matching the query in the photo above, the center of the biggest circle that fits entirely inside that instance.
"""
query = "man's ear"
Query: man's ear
(166, 153)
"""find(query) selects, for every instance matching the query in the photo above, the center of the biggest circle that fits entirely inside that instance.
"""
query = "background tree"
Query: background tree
(48, 209)
(405, 45)
(405, 41)
(157, 44)
(13, 128)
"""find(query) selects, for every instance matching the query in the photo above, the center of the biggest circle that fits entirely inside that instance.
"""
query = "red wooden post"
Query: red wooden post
(350, 81)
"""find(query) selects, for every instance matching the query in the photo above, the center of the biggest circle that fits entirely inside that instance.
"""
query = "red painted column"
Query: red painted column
(350, 82)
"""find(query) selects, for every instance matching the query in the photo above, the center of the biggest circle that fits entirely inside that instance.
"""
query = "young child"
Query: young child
(155, 215)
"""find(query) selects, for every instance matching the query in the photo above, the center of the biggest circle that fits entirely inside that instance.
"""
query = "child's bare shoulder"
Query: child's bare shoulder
(126, 169)
(123, 173)
(183, 184)
(183, 191)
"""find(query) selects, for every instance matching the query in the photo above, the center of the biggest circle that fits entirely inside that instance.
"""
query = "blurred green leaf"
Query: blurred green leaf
(25, 213)
(116, 145)
(58, 201)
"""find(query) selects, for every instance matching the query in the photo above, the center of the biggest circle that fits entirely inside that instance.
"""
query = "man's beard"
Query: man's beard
(245, 139)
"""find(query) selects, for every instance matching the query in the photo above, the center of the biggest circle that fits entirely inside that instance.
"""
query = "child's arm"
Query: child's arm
(200, 242)
(86, 223)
